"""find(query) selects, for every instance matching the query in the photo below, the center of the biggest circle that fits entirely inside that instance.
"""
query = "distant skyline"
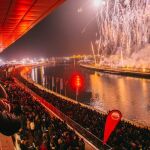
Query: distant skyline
(59, 34)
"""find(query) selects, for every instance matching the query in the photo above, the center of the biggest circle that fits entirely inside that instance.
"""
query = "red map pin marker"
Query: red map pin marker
(112, 120)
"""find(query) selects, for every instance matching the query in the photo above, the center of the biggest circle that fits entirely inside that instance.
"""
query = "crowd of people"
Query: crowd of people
(39, 130)
(125, 137)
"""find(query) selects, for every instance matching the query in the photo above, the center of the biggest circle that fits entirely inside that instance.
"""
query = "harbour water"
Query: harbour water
(100, 90)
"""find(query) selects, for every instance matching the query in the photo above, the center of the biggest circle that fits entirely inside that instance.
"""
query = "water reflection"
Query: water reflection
(127, 94)
(34, 74)
(130, 95)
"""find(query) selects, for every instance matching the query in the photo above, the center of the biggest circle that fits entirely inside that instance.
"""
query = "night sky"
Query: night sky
(59, 34)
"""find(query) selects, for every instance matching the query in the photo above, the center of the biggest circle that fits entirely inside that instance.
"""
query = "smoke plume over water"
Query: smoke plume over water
(124, 31)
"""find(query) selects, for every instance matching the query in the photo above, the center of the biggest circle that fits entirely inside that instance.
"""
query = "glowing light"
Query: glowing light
(144, 70)
(76, 81)
(98, 3)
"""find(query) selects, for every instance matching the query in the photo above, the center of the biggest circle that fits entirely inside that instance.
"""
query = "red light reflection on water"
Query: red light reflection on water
(77, 81)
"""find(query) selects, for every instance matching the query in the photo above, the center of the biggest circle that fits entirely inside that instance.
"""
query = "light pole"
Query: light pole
(77, 93)
(66, 82)
(57, 79)
(77, 85)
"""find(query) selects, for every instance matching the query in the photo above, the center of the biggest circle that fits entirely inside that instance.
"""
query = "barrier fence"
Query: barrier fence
(84, 132)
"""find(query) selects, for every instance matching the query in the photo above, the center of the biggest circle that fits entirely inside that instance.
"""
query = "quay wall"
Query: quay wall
(130, 73)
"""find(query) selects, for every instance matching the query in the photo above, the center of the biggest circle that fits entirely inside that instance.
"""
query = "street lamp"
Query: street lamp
(77, 83)
(66, 83)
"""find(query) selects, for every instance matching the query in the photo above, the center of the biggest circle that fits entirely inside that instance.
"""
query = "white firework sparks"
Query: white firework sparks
(123, 25)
